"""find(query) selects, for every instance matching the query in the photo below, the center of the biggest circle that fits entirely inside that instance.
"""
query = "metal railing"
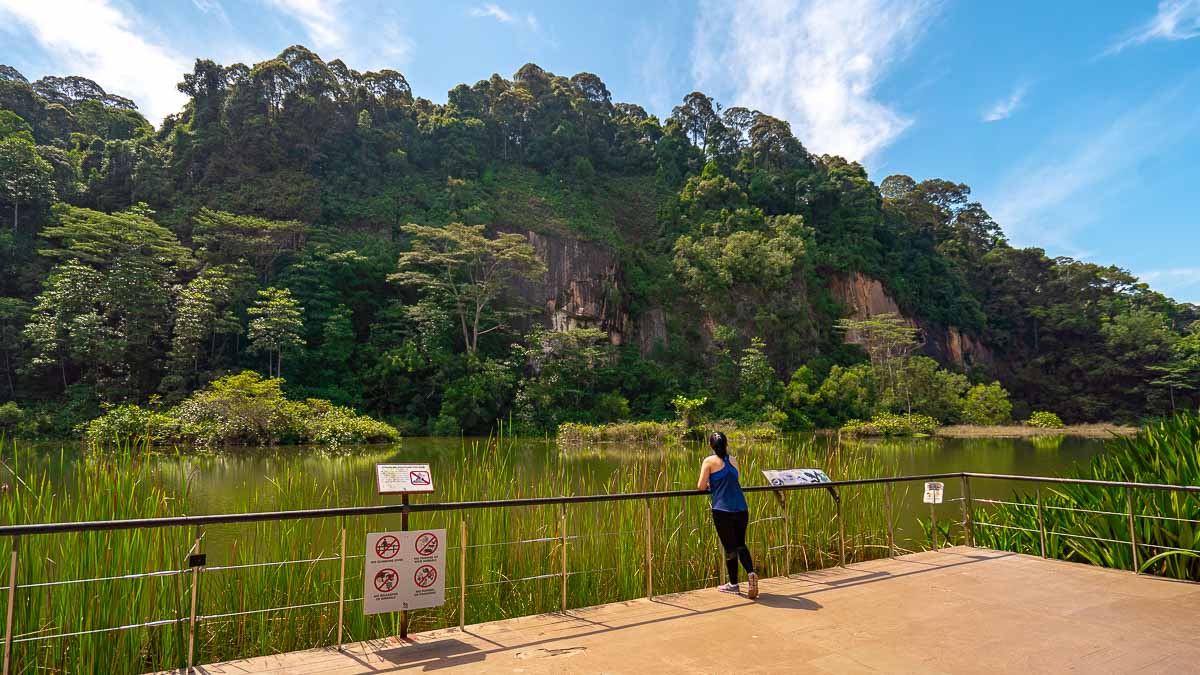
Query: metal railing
(197, 561)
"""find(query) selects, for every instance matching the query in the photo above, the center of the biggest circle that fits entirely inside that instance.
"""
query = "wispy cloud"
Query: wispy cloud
(214, 8)
(320, 19)
(816, 64)
(1182, 283)
(493, 11)
(100, 41)
(1175, 20)
(1061, 187)
(1004, 108)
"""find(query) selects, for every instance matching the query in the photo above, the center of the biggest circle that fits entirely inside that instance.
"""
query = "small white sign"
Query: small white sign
(396, 479)
(404, 570)
(933, 492)
(795, 476)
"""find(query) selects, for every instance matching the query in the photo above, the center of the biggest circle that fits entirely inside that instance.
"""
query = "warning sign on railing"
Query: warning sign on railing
(397, 479)
(794, 476)
(933, 492)
(404, 570)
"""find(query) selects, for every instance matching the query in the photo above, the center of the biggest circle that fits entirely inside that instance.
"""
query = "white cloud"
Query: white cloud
(1181, 283)
(319, 18)
(98, 41)
(1061, 187)
(1003, 108)
(816, 64)
(1175, 20)
(493, 11)
(214, 8)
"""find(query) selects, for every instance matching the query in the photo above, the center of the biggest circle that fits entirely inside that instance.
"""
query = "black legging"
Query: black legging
(731, 529)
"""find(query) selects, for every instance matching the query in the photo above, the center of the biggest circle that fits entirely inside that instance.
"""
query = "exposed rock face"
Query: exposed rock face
(581, 287)
(866, 297)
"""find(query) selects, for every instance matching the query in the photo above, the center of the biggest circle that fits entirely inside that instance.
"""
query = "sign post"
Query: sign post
(404, 570)
(933, 497)
(780, 478)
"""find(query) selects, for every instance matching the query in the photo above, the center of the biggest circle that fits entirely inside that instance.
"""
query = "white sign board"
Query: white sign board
(404, 570)
(795, 476)
(933, 492)
(396, 479)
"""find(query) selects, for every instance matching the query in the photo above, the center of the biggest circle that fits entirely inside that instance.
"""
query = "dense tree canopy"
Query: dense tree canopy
(379, 241)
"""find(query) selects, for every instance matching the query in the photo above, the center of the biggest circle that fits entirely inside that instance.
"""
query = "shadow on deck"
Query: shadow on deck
(959, 610)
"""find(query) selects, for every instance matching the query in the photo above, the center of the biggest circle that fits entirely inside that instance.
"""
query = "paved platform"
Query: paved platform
(961, 610)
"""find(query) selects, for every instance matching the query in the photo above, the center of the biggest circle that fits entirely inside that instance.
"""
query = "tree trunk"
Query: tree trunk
(12, 390)
(279, 365)
(15, 207)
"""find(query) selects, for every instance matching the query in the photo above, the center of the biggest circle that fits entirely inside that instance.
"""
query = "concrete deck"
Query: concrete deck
(961, 610)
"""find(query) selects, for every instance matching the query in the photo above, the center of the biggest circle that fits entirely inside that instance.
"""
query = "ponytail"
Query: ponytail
(719, 444)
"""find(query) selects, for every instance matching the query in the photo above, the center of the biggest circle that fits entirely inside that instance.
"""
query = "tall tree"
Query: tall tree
(460, 266)
(276, 327)
(25, 178)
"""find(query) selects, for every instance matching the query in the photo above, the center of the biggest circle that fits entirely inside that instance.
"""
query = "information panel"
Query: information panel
(795, 476)
(404, 570)
(396, 479)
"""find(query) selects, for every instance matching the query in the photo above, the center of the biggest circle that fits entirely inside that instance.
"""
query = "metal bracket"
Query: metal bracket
(197, 560)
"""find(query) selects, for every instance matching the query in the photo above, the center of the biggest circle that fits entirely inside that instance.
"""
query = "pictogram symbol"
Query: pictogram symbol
(425, 576)
(386, 579)
(419, 478)
(387, 547)
(427, 543)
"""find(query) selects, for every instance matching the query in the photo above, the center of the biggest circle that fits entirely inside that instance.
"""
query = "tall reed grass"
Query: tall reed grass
(1164, 452)
(605, 545)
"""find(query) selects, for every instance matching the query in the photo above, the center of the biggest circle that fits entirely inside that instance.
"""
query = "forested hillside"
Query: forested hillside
(529, 250)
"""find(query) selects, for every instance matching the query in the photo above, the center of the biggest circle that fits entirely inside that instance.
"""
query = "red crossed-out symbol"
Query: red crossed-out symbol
(386, 579)
(387, 547)
(427, 543)
(419, 478)
(425, 576)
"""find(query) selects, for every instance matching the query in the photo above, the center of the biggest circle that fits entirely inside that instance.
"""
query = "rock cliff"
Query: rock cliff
(866, 297)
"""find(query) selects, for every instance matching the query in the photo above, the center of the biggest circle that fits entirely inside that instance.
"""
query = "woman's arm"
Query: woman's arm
(705, 469)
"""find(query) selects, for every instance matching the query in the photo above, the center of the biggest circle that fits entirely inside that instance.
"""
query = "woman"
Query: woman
(719, 475)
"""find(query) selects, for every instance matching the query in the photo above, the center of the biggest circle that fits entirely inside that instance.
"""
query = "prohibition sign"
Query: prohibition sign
(419, 477)
(425, 576)
(387, 547)
(427, 543)
(386, 580)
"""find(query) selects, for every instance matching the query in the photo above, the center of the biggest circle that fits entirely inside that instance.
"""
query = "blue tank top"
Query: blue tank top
(725, 490)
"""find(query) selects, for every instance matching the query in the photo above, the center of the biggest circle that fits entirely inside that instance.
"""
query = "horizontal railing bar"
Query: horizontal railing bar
(1181, 520)
(121, 577)
(348, 511)
(1169, 548)
(278, 563)
(1084, 536)
(513, 581)
(602, 569)
(999, 501)
(1071, 508)
(516, 541)
(766, 520)
(227, 615)
(1006, 527)
(148, 624)
(1082, 481)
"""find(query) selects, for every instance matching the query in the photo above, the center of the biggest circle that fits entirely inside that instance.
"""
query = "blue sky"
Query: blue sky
(1076, 123)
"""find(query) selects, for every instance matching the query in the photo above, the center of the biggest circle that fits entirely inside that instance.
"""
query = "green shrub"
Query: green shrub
(242, 409)
(1045, 420)
(987, 404)
(611, 407)
(888, 424)
(11, 416)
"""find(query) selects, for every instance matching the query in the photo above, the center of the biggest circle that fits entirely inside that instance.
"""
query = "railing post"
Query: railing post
(891, 527)
(1041, 521)
(462, 574)
(404, 528)
(1133, 545)
(191, 656)
(12, 601)
(968, 510)
(649, 555)
(933, 531)
(841, 533)
(563, 575)
(342, 588)
(787, 535)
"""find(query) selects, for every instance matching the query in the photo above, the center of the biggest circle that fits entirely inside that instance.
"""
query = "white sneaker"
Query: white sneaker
(752, 578)
(730, 588)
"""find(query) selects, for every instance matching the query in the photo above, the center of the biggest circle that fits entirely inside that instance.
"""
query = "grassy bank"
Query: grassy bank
(605, 547)
(1104, 430)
